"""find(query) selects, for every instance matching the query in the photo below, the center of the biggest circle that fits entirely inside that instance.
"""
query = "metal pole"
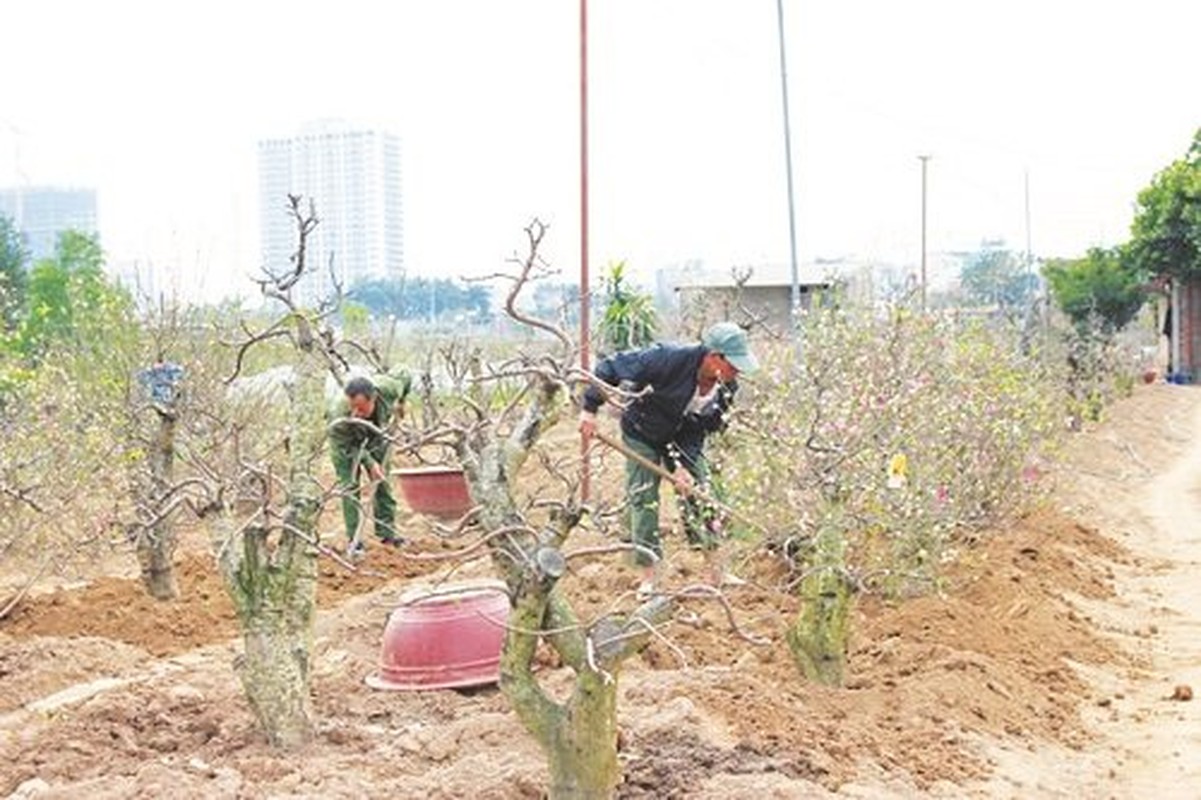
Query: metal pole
(925, 160)
(585, 280)
(1029, 248)
(796, 276)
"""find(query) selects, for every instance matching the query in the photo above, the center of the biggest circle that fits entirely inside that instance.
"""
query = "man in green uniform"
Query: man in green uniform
(358, 437)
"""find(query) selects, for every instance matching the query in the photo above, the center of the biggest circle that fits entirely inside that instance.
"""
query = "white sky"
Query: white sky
(159, 106)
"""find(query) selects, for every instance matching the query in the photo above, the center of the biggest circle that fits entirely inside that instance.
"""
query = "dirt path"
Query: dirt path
(1137, 480)
(1162, 739)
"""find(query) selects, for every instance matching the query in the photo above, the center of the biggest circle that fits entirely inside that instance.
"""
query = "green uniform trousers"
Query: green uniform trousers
(642, 491)
(348, 467)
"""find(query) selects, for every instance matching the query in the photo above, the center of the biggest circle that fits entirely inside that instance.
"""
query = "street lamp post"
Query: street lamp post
(585, 279)
(795, 274)
(925, 159)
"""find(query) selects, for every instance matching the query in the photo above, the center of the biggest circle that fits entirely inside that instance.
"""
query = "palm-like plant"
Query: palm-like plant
(630, 320)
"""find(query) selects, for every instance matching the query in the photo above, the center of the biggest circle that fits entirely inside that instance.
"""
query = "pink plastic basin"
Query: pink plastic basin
(444, 637)
(437, 491)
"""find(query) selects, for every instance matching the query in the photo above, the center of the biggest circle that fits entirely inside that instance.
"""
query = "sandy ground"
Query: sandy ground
(1043, 669)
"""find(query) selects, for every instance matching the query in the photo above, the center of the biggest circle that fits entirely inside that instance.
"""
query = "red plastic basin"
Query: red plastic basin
(437, 491)
(444, 637)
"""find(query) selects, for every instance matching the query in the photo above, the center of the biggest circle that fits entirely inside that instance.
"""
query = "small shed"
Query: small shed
(1183, 328)
(767, 301)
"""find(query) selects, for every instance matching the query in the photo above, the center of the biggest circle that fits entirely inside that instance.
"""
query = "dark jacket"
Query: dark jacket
(659, 418)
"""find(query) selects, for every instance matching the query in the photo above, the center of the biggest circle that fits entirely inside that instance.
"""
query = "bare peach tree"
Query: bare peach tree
(168, 378)
(257, 478)
(528, 545)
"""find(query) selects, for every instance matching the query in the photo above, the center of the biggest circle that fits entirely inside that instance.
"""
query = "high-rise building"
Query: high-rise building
(41, 213)
(352, 175)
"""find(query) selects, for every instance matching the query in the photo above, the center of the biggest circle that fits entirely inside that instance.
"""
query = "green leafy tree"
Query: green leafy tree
(629, 320)
(13, 277)
(69, 299)
(1166, 234)
(997, 277)
(420, 298)
(1102, 286)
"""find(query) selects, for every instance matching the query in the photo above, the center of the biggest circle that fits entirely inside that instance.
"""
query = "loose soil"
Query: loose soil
(1005, 683)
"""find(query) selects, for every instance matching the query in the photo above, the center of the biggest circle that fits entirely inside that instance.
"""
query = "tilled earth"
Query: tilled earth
(938, 686)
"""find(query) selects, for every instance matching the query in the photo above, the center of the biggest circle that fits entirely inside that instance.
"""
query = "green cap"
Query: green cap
(730, 340)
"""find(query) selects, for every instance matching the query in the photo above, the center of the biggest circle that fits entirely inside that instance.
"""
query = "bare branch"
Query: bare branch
(703, 592)
(21, 495)
(535, 231)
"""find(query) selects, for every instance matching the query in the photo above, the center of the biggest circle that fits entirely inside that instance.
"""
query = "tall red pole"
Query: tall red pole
(585, 282)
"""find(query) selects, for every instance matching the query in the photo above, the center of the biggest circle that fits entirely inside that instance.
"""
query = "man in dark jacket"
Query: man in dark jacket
(690, 390)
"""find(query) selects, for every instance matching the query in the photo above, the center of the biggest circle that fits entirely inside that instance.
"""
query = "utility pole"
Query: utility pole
(925, 159)
(1029, 249)
(796, 280)
(585, 279)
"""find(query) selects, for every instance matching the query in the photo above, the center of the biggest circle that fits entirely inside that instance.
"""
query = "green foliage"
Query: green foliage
(629, 321)
(1166, 234)
(421, 298)
(355, 318)
(1102, 286)
(996, 276)
(71, 302)
(13, 278)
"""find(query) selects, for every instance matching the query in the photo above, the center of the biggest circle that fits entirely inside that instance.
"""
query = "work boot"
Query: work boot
(356, 550)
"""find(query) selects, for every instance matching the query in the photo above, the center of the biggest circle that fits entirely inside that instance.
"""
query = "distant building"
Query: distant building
(1183, 329)
(353, 176)
(765, 302)
(41, 213)
(762, 293)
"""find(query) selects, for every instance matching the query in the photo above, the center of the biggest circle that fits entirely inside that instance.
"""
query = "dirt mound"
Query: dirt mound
(929, 677)
(992, 656)
(25, 673)
(670, 763)
(119, 608)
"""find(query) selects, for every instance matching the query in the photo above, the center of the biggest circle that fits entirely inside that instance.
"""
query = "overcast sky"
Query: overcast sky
(159, 105)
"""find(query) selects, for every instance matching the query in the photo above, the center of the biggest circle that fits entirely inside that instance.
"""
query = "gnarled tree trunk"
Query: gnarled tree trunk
(818, 637)
(156, 544)
(583, 749)
(579, 737)
(275, 594)
(272, 577)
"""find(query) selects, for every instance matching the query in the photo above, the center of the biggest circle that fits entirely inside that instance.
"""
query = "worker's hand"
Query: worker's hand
(399, 412)
(587, 424)
(683, 480)
(376, 472)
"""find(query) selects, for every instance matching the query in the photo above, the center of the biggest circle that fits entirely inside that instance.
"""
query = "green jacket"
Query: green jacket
(367, 443)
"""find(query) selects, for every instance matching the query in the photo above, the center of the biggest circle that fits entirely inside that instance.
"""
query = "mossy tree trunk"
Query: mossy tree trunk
(155, 544)
(818, 636)
(579, 736)
(270, 571)
(274, 593)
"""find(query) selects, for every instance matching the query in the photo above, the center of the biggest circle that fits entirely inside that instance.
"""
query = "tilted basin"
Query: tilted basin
(437, 491)
(444, 637)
